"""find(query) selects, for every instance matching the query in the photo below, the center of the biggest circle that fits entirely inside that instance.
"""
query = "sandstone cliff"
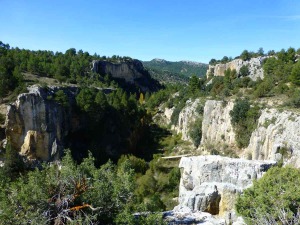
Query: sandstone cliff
(36, 125)
(254, 65)
(131, 72)
(277, 135)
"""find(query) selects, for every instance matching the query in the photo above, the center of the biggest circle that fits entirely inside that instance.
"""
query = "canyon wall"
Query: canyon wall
(277, 135)
(212, 183)
(37, 125)
(254, 65)
(216, 125)
(131, 72)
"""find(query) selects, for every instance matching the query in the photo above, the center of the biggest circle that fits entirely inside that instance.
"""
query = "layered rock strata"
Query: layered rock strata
(37, 125)
(216, 125)
(186, 117)
(211, 183)
(277, 135)
(254, 65)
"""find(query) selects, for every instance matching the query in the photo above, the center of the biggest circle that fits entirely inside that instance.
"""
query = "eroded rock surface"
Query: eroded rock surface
(216, 125)
(277, 135)
(254, 65)
(186, 117)
(131, 71)
(36, 125)
(184, 215)
(211, 183)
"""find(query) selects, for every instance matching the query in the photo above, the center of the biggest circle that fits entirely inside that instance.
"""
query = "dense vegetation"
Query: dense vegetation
(273, 199)
(166, 77)
(72, 67)
(70, 193)
(244, 120)
(177, 69)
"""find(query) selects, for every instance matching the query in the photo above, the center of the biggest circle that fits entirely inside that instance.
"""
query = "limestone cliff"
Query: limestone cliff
(211, 183)
(254, 65)
(36, 125)
(277, 135)
(187, 117)
(131, 72)
(216, 125)
(214, 115)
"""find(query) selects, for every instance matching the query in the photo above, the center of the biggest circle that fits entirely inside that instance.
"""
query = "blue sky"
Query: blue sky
(195, 30)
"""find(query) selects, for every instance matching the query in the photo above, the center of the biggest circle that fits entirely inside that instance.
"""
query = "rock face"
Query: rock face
(36, 125)
(277, 134)
(132, 72)
(184, 215)
(216, 125)
(254, 65)
(186, 118)
(211, 183)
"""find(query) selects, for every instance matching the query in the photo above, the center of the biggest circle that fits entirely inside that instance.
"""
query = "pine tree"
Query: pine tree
(13, 164)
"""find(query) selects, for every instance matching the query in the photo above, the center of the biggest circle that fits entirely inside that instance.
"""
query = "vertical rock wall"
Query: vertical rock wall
(277, 135)
(186, 118)
(36, 126)
(211, 183)
(254, 65)
(216, 125)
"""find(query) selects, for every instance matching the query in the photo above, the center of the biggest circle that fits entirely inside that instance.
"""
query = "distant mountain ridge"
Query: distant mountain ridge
(180, 71)
(184, 67)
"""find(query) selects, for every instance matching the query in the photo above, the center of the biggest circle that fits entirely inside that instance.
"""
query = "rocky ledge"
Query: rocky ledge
(254, 66)
(211, 184)
(130, 74)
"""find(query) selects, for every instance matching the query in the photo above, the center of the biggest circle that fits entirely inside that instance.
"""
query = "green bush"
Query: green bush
(274, 199)
(195, 132)
(244, 120)
(174, 177)
(295, 74)
(2, 118)
(264, 88)
(295, 99)
(217, 85)
(239, 111)
(244, 71)
(61, 98)
(176, 112)
(67, 194)
(135, 163)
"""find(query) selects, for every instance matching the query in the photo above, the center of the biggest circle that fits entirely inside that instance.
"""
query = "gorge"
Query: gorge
(117, 112)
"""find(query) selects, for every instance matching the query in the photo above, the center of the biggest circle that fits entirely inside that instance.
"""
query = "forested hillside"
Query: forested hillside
(174, 72)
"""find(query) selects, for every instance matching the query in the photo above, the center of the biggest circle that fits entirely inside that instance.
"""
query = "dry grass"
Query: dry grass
(35, 79)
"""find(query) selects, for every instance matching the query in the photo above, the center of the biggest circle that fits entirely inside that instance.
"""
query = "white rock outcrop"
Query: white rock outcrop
(254, 65)
(276, 132)
(216, 125)
(186, 117)
(36, 126)
(184, 215)
(211, 183)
